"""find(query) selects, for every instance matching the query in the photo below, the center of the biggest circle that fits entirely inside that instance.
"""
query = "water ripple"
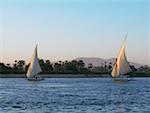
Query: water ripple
(72, 95)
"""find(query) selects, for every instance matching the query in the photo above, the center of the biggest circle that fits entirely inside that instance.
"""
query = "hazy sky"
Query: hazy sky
(66, 29)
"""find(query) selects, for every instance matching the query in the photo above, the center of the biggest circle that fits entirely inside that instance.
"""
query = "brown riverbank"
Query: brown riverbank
(55, 75)
(68, 75)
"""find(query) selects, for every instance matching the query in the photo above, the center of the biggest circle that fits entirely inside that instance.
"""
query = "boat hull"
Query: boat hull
(123, 78)
(35, 79)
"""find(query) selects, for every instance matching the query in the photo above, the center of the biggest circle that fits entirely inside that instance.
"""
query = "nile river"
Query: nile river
(74, 95)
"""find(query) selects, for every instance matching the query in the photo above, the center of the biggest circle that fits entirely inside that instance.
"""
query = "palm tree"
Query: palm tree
(8, 65)
(110, 66)
(90, 66)
(57, 67)
(48, 66)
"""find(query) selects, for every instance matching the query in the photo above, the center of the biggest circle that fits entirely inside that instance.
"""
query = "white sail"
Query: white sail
(121, 66)
(34, 67)
(114, 72)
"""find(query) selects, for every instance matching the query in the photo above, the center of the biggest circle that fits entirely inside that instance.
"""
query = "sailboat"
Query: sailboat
(34, 68)
(121, 67)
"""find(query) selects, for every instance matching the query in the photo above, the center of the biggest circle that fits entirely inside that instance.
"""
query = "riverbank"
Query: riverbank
(68, 75)
(55, 75)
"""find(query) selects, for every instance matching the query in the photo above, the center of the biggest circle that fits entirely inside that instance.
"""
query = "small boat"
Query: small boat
(121, 68)
(34, 68)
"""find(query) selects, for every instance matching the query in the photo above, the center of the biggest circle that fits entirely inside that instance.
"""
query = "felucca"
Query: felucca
(34, 68)
(121, 67)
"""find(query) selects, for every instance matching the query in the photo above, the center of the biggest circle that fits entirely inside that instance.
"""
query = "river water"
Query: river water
(74, 95)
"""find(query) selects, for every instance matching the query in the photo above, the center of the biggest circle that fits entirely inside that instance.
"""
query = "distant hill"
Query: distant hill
(99, 61)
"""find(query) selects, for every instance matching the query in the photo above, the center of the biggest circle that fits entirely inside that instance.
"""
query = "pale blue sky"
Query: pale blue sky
(67, 29)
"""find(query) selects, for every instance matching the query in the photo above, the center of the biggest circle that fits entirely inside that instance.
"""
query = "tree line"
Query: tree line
(20, 67)
(62, 67)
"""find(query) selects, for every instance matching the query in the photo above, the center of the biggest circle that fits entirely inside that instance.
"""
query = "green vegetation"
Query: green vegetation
(143, 71)
(20, 67)
(68, 67)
